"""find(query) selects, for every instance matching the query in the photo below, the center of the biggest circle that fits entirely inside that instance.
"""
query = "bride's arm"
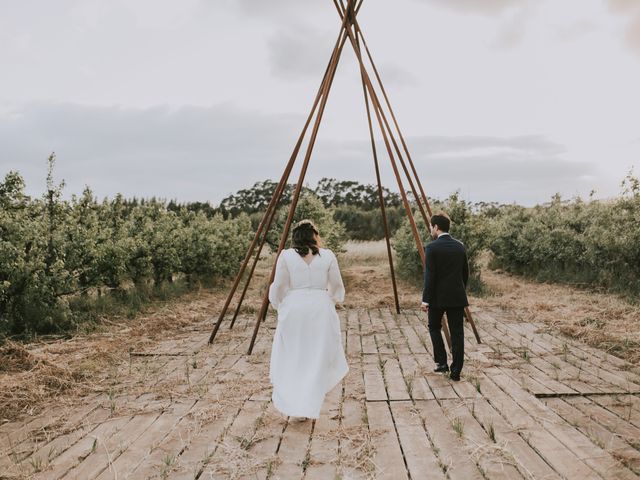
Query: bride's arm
(280, 284)
(335, 287)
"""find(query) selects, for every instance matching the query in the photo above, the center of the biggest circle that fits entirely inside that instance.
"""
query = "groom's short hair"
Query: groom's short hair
(442, 220)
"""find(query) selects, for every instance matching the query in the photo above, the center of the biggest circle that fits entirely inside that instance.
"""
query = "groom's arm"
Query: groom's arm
(429, 274)
(465, 269)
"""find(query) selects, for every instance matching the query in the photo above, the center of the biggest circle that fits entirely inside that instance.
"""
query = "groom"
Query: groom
(445, 281)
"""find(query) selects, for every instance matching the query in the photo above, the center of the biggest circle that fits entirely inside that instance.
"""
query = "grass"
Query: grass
(458, 426)
(167, 465)
(36, 464)
(246, 442)
(490, 431)
(475, 381)
(363, 252)
(186, 368)
(568, 310)
(381, 364)
(89, 310)
(409, 382)
(112, 401)
(306, 461)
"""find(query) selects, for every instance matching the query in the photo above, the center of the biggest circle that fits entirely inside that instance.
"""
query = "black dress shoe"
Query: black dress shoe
(454, 376)
(441, 368)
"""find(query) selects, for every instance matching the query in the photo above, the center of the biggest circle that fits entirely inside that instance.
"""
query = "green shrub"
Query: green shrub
(465, 226)
(60, 260)
(594, 243)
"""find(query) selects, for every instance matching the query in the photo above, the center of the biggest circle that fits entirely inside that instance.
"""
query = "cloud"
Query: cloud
(299, 52)
(393, 74)
(624, 6)
(534, 145)
(192, 153)
(527, 169)
(272, 7)
(632, 9)
(198, 153)
(632, 35)
(512, 31)
(576, 30)
(483, 7)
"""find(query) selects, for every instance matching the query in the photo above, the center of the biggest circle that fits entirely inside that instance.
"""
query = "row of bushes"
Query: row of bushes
(55, 253)
(594, 243)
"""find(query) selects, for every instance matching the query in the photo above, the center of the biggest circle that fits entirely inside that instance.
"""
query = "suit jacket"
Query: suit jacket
(446, 273)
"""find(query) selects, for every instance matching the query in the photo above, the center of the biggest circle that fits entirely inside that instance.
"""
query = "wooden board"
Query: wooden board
(206, 411)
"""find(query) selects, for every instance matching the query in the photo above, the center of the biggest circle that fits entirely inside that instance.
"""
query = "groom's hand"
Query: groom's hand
(424, 307)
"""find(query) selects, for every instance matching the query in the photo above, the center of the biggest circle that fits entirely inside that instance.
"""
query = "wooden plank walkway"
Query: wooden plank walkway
(531, 406)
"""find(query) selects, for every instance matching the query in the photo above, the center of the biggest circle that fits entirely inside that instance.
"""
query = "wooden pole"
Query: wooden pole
(253, 267)
(426, 217)
(379, 116)
(384, 127)
(257, 258)
(380, 195)
(314, 133)
(274, 201)
(395, 121)
(348, 15)
(271, 207)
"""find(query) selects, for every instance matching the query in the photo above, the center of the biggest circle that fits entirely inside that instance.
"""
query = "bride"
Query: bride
(307, 358)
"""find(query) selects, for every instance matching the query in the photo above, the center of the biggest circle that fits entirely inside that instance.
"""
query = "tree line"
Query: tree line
(590, 243)
(63, 263)
(63, 260)
(354, 205)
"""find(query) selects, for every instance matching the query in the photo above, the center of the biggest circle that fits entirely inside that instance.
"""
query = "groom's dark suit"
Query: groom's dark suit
(445, 280)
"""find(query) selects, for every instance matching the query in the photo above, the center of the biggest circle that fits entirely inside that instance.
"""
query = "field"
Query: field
(552, 392)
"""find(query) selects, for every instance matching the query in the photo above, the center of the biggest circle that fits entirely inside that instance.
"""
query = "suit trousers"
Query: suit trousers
(455, 319)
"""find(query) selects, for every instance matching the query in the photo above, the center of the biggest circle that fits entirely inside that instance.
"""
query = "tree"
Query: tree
(310, 207)
(335, 193)
(254, 199)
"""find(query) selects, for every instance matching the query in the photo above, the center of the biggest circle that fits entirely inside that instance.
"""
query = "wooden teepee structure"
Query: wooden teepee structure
(398, 154)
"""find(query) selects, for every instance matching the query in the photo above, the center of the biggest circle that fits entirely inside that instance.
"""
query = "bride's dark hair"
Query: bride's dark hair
(303, 238)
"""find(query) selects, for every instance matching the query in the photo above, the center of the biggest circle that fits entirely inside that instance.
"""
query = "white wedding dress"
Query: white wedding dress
(307, 358)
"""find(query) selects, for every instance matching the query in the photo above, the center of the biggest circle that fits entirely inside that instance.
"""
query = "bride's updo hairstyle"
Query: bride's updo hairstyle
(303, 238)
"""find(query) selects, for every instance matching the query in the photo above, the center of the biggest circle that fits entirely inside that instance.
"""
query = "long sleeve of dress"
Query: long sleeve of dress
(281, 283)
(335, 286)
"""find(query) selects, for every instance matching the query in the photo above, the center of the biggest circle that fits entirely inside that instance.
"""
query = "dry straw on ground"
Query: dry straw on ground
(605, 321)
(32, 375)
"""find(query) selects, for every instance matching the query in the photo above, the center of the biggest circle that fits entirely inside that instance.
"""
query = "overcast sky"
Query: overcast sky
(503, 100)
